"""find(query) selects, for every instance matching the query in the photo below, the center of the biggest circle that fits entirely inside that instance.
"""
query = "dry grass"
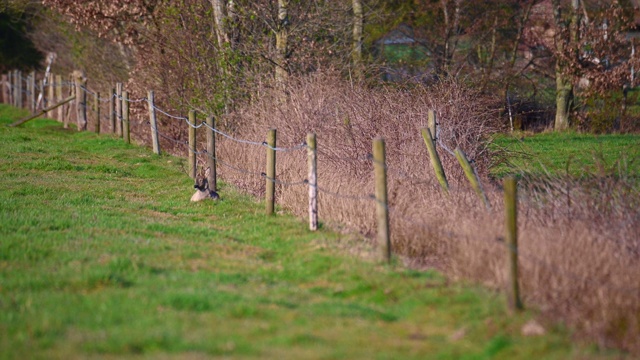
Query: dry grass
(579, 242)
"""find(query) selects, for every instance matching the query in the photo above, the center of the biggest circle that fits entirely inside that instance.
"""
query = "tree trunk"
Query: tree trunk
(219, 21)
(282, 36)
(358, 25)
(564, 94)
(564, 81)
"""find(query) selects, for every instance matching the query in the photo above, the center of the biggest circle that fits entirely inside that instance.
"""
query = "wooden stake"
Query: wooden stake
(312, 156)
(96, 106)
(81, 100)
(153, 121)
(211, 151)
(32, 92)
(112, 111)
(270, 193)
(51, 94)
(192, 144)
(435, 160)
(119, 109)
(382, 208)
(58, 98)
(39, 113)
(126, 135)
(432, 125)
(5, 88)
(511, 215)
(472, 176)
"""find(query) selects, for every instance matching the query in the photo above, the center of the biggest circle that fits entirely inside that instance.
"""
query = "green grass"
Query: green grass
(577, 154)
(103, 256)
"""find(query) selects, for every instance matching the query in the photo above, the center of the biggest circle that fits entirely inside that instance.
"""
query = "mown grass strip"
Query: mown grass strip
(103, 255)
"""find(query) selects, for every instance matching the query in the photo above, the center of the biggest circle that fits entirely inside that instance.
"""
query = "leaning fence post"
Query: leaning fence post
(211, 151)
(432, 125)
(312, 156)
(271, 172)
(153, 121)
(382, 208)
(192, 144)
(119, 109)
(511, 212)
(112, 111)
(435, 159)
(471, 175)
(126, 135)
(96, 105)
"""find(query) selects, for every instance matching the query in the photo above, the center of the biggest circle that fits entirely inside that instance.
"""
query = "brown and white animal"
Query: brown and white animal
(202, 189)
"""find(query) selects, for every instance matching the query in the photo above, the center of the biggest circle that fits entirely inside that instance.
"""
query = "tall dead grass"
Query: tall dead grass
(579, 239)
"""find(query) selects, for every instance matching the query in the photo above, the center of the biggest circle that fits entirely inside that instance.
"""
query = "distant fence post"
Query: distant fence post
(9, 89)
(51, 94)
(32, 91)
(5, 88)
(119, 109)
(153, 121)
(270, 193)
(59, 98)
(511, 240)
(313, 181)
(19, 89)
(430, 142)
(72, 92)
(112, 111)
(211, 152)
(192, 144)
(81, 100)
(15, 89)
(126, 134)
(382, 208)
(471, 175)
(96, 105)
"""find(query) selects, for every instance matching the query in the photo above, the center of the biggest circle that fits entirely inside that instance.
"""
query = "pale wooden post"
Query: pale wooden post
(211, 151)
(15, 90)
(511, 212)
(9, 88)
(96, 105)
(192, 144)
(472, 176)
(126, 135)
(435, 159)
(81, 100)
(112, 111)
(32, 91)
(270, 193)
(59, 97)
(40, 112)
(432, 125)
(51, 94)
(72, 92)
(5, 88)
(153, 121)
(382, 209)
(19, 97)
(119, 109)
(312, 156)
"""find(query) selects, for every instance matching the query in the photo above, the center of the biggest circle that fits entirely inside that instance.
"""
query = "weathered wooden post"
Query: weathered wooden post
(112, 111)
(511, 240)
(8, 88)
(14, 89)
(382, 208)
(312, 156)
(32, 91)
(432, 125)
(59, 97)
(472, 176)
(19, 95)
(126, 135)
(211, 151)
(68, 108)
(192, 144)
(81, 100)
(96, 109)
(51, 100)
(119, 109)
(270, 193)
(435, 159)
(153, 121)
(5, 88)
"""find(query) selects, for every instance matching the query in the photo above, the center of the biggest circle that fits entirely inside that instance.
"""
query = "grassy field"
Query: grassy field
(577, 154)
(103, 256)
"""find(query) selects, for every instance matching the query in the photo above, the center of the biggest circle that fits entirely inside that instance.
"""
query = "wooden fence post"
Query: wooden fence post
(31, 91)
(59, 98)
(96, 108)
(435, 159)
(432, 125)
(471, 175)
(8, 88)
(211, 151)
(511, 240)
(112, 111)
(72, 92)
(153, 121)
(126, 135)
(119, 109)
(270, 193)
(382, 209)
(51, 94)
(192, 144)
(313, 181)
(14, 89)
(19, 97)
(5, 96)
(81, 100)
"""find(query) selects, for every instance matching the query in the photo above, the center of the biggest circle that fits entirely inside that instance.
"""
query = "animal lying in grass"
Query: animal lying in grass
(202, 188)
